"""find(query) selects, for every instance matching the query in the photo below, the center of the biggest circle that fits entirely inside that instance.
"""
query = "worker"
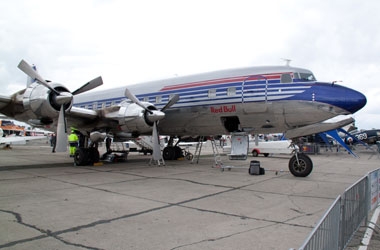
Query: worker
(73, 143)
(53, 141)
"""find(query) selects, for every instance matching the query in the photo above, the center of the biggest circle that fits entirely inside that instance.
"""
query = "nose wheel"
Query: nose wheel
(300, 165)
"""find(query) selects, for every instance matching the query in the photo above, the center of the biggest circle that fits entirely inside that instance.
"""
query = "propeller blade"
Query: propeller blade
(156, 144)
(61, 132)
(172, 101)
(134, 99)
(90, 85)
(27, 69)
(64, 98)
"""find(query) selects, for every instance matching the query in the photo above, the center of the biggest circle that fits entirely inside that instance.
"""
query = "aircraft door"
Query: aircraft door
(254, 89)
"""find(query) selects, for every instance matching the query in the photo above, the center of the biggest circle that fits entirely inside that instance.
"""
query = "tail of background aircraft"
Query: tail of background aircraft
(30, 80)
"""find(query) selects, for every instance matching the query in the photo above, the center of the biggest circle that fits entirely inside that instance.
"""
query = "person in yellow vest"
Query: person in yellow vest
(73, 143)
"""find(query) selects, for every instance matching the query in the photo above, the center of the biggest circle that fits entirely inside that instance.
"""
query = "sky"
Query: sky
(127, 42)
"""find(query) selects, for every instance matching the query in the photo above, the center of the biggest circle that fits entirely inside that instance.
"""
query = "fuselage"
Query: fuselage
(256, 100)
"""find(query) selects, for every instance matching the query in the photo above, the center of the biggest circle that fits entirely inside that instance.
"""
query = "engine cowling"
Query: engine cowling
(41, 103)
(134, 119)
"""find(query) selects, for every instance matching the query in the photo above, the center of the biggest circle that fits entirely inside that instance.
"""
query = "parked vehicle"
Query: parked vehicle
(271, 147)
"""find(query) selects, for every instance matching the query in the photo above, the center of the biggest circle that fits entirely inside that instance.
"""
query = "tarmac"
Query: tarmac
(48, 203)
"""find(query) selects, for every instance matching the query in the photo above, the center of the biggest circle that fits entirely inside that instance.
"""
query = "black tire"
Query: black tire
(255, 153)
(189, 156)
(178, 153)
(303, 167)
(266, 154)
(81, 157)
(168, 153)
(93, 155)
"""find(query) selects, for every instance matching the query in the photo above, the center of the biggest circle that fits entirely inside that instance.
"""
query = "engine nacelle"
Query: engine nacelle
(132, 118)
(40, 103)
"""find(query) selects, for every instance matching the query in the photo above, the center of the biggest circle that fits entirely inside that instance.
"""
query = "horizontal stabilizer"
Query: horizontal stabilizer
(316, 128)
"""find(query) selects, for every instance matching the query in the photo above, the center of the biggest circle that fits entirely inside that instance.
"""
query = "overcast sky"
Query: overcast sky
(126, 42)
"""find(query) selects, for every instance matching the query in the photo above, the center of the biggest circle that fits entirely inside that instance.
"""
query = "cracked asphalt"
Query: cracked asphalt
(48, 203)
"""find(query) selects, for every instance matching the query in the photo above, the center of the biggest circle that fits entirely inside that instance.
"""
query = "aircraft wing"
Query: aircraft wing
(81, 113)
(316, 128)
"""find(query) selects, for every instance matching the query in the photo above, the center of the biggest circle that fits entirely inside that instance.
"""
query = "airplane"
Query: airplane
(256, 100)
(371, 136)
(13, 139)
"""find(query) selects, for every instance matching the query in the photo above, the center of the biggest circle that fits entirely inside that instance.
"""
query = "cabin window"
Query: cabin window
(231, 91)
(211, 93)
(286, 78)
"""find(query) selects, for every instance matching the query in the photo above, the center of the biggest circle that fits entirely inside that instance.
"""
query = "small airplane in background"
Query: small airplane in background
(255, 100)
(13, 139)
(367, 136)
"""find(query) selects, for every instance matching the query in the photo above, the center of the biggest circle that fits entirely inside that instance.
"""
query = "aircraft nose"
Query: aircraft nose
(354, 100)
(347, 100)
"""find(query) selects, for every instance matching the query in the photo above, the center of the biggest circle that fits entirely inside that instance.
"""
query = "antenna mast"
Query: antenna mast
(287, 61)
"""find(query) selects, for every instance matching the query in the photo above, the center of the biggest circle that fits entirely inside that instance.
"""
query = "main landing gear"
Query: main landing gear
(86, 156)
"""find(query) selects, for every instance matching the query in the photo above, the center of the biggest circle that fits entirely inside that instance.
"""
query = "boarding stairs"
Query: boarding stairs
(144, 142)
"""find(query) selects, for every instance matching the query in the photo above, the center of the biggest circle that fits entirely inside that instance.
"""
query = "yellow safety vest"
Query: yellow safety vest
(73, 138)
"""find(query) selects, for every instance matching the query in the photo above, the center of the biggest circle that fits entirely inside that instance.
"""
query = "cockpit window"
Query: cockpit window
(307, 77)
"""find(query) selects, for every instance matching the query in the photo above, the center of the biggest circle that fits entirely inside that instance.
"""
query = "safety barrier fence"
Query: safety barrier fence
(344, 217)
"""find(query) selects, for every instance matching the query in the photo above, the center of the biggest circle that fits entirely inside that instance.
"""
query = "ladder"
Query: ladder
(217, 158)
(198, 150)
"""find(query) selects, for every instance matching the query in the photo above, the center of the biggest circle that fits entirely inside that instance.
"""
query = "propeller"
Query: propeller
(61, 98)
(154, 116)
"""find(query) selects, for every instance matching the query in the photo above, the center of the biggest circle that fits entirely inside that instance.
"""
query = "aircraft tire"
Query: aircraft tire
(168, 153)
(81, 157)
(178, 152)
(93, 155)
(303, 167)
(255, 153)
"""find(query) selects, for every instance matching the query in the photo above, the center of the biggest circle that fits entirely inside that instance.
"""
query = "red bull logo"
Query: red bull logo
(223, 109)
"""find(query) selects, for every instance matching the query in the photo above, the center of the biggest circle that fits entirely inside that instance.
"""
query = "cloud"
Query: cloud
(126, 42)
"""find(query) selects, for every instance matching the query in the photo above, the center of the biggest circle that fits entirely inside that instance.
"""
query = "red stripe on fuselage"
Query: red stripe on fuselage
(221, 81)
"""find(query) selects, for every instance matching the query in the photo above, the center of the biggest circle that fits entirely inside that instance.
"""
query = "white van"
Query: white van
(271, 147)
